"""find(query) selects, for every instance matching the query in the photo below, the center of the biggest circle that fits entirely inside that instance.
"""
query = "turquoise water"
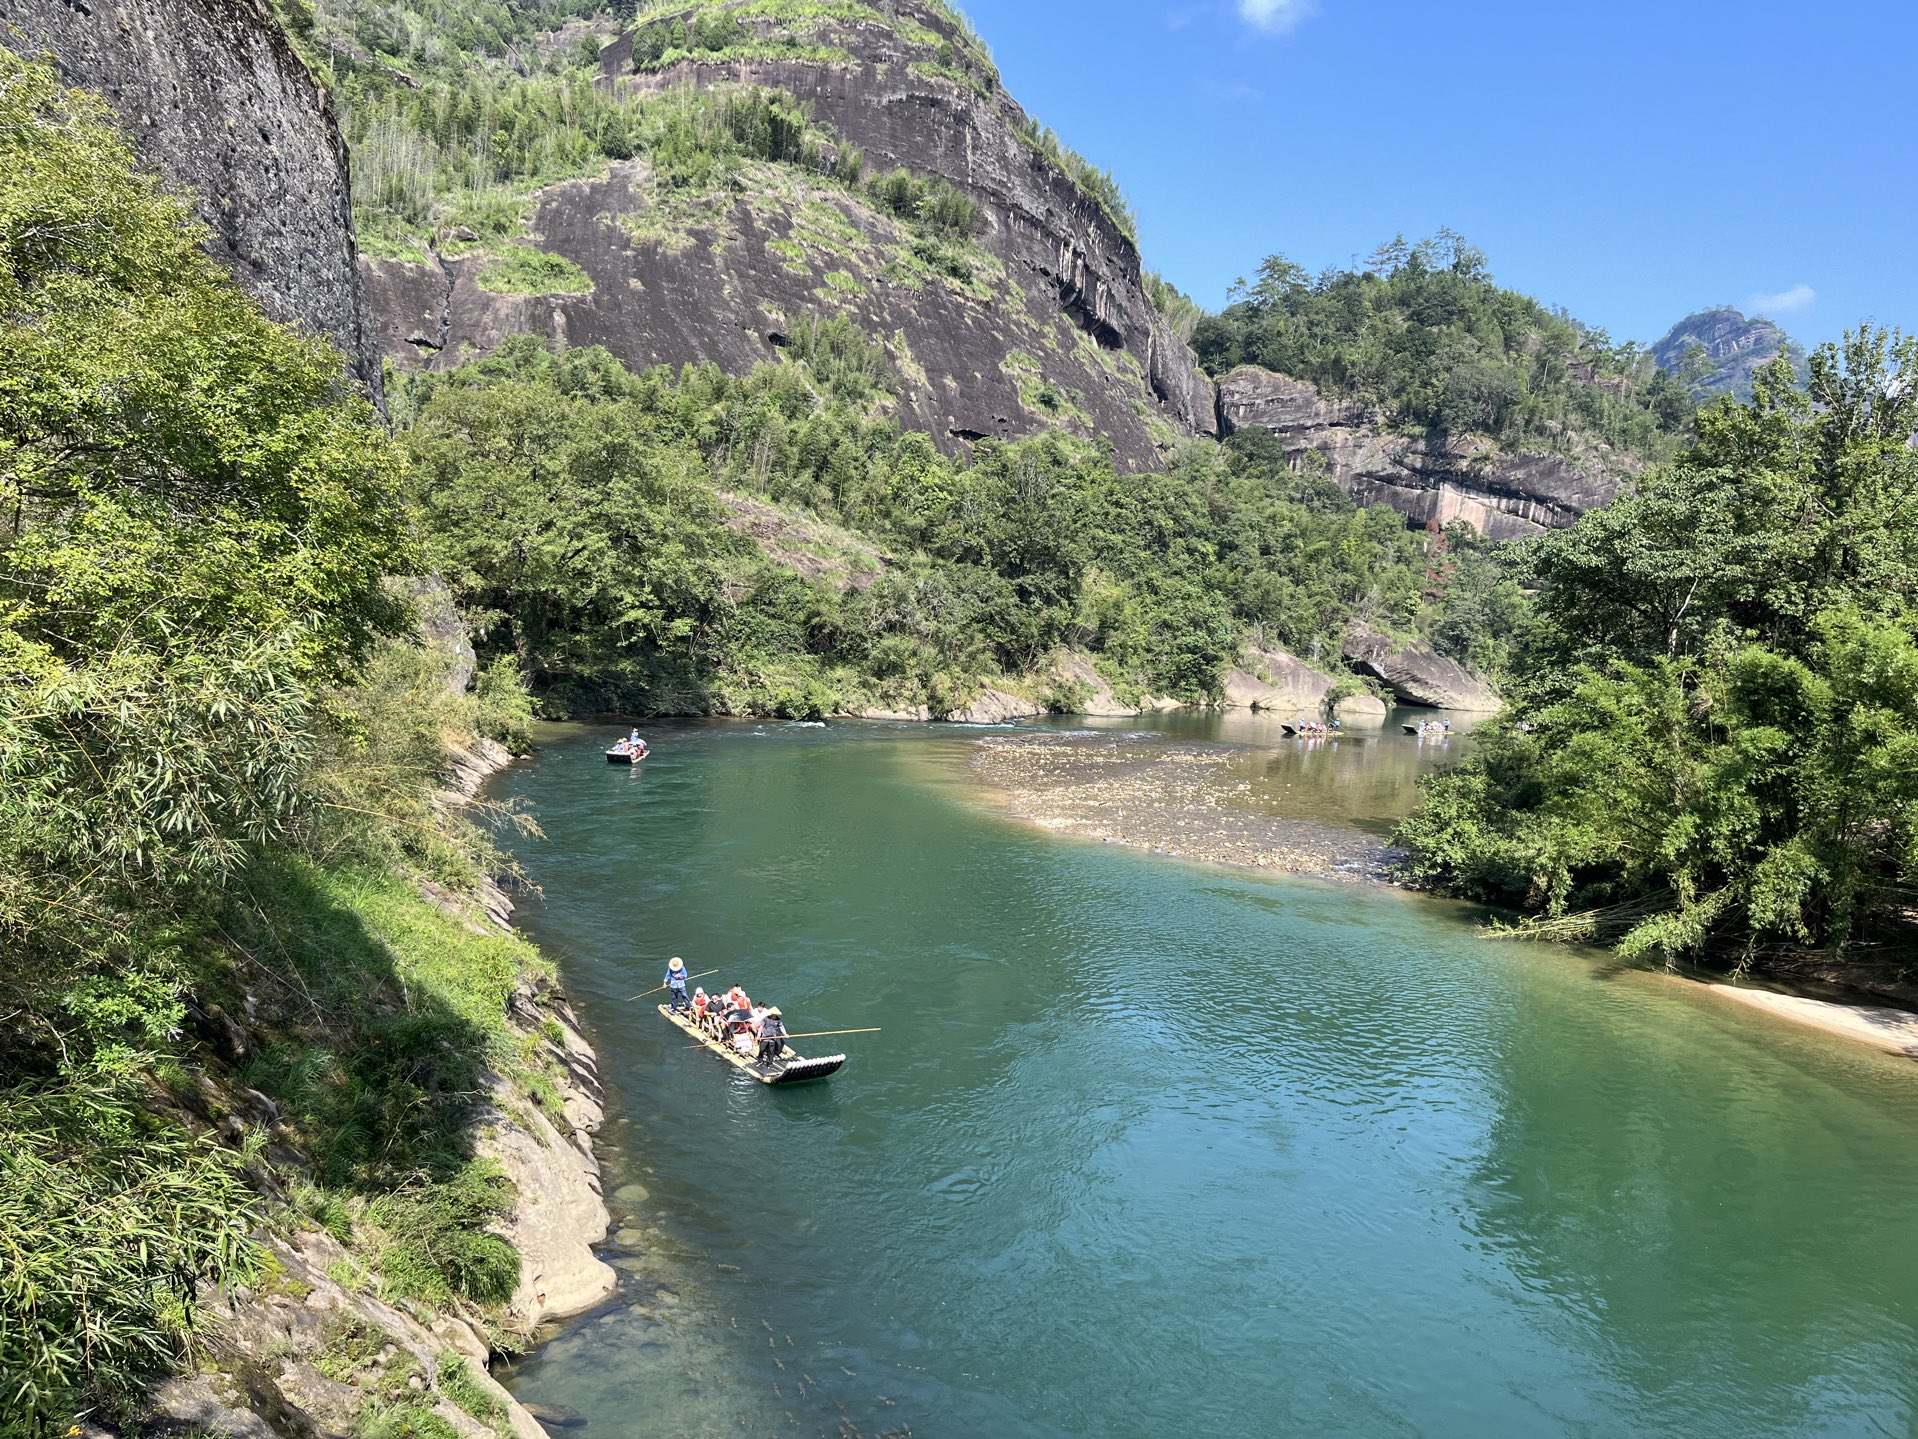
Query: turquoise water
(1150, 1149)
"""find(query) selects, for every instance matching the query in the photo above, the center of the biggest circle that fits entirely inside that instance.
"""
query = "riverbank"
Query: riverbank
(1882, 1027)
(1216, 804)
(344, 1327)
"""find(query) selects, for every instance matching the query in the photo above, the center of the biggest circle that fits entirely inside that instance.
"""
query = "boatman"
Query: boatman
(772, 1035)
(676, 982)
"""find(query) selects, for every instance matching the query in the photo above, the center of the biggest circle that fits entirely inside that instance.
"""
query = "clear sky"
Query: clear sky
(1632, 160)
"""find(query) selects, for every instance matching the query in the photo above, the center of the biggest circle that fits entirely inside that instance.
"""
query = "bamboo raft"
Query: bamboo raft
(624, 753)
(789, 1068)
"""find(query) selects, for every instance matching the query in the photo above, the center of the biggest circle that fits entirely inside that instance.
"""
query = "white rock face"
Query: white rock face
(995, 707)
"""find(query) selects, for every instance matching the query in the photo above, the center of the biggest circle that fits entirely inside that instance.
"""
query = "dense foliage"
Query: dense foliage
(1716, 748)
(1424, 334)
(589, 520)
(205, 676)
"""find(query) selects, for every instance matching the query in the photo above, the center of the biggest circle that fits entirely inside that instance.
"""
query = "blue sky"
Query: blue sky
(1632, 160)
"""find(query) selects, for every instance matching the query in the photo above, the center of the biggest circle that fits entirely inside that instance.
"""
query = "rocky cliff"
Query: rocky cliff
(1430, 481)
(1717, 352)
(217, 101)
(1049, 325)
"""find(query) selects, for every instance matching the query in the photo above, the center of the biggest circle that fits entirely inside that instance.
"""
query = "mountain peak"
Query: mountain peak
(1718, 351)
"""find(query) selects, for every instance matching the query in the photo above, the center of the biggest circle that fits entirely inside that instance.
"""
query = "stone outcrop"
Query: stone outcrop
(217, 102)
(1286, 682)
(1360, 711)
(1417, 674)
(559, 1213)
(994, 706)
(1053, 329)
(1717, 352)
(1428, 480)
(1073, 671)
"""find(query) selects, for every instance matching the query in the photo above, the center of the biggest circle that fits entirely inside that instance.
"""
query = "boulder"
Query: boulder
(1072, 668)
(993, 706)
(1360, 711)
(1289, 682)
(1246, 691)
(1418, 674)
(879, 712)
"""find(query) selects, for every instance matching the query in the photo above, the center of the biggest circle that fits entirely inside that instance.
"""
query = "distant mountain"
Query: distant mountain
(1717, 352)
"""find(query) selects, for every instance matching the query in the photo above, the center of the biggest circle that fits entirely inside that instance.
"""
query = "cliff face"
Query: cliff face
(1717, 352)
(1052, 327)
(216, 101)
(1502, 496)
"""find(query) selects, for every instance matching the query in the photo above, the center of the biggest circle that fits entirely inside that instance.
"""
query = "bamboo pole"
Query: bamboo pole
(689, 979)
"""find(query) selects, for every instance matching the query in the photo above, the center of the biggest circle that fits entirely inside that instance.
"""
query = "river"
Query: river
(1147, 1148)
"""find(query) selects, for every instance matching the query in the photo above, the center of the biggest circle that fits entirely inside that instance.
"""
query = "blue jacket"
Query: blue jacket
(676, 978)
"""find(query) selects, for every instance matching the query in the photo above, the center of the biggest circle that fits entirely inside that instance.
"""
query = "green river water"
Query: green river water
(1147, 1148)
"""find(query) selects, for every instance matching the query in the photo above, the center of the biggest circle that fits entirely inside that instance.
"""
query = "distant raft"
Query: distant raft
(628, 752)
(789, 1068)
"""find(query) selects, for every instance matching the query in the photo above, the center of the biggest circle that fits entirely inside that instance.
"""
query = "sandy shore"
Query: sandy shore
(1182, 800)
(1895, 1030)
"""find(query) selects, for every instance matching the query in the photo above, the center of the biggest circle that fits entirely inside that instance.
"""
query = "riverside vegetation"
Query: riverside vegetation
(219, 751)
(220, 744)
(1713, 744)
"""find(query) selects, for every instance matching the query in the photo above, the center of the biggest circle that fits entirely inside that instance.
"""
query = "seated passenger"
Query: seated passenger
(772, 1035)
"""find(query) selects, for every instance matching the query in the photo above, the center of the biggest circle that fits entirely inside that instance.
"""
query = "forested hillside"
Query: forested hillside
(954, 565)
(587, 518)
(237, 1033)
(1424, 334)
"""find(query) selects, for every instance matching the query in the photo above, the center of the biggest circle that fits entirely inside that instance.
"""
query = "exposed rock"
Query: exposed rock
(1418, 674)
(1717, 352)
(879, 712)
(804, 543)
(1054, 329)
(558, 1215)
(994, 706)
(194, 1404)
(216, 101)
(1073, 670)
(442, 628)
(1293, 683)
(1360, 711)
(1431, 482)
(1243, 690)
(266, 1377)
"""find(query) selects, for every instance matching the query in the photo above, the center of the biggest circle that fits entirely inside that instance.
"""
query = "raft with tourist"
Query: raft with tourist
(1312, 729)
(751, 1038)
(1430, 729)
(630, 750)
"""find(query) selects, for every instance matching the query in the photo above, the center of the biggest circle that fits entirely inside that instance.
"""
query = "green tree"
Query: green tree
(1715, 752)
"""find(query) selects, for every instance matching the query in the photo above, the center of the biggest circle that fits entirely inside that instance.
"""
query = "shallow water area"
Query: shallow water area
(1152, 1148)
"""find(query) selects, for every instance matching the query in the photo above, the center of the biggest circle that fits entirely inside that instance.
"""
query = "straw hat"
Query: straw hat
(677, 963)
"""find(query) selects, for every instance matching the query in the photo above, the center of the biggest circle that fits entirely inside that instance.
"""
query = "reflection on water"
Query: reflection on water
(1146, 1149)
